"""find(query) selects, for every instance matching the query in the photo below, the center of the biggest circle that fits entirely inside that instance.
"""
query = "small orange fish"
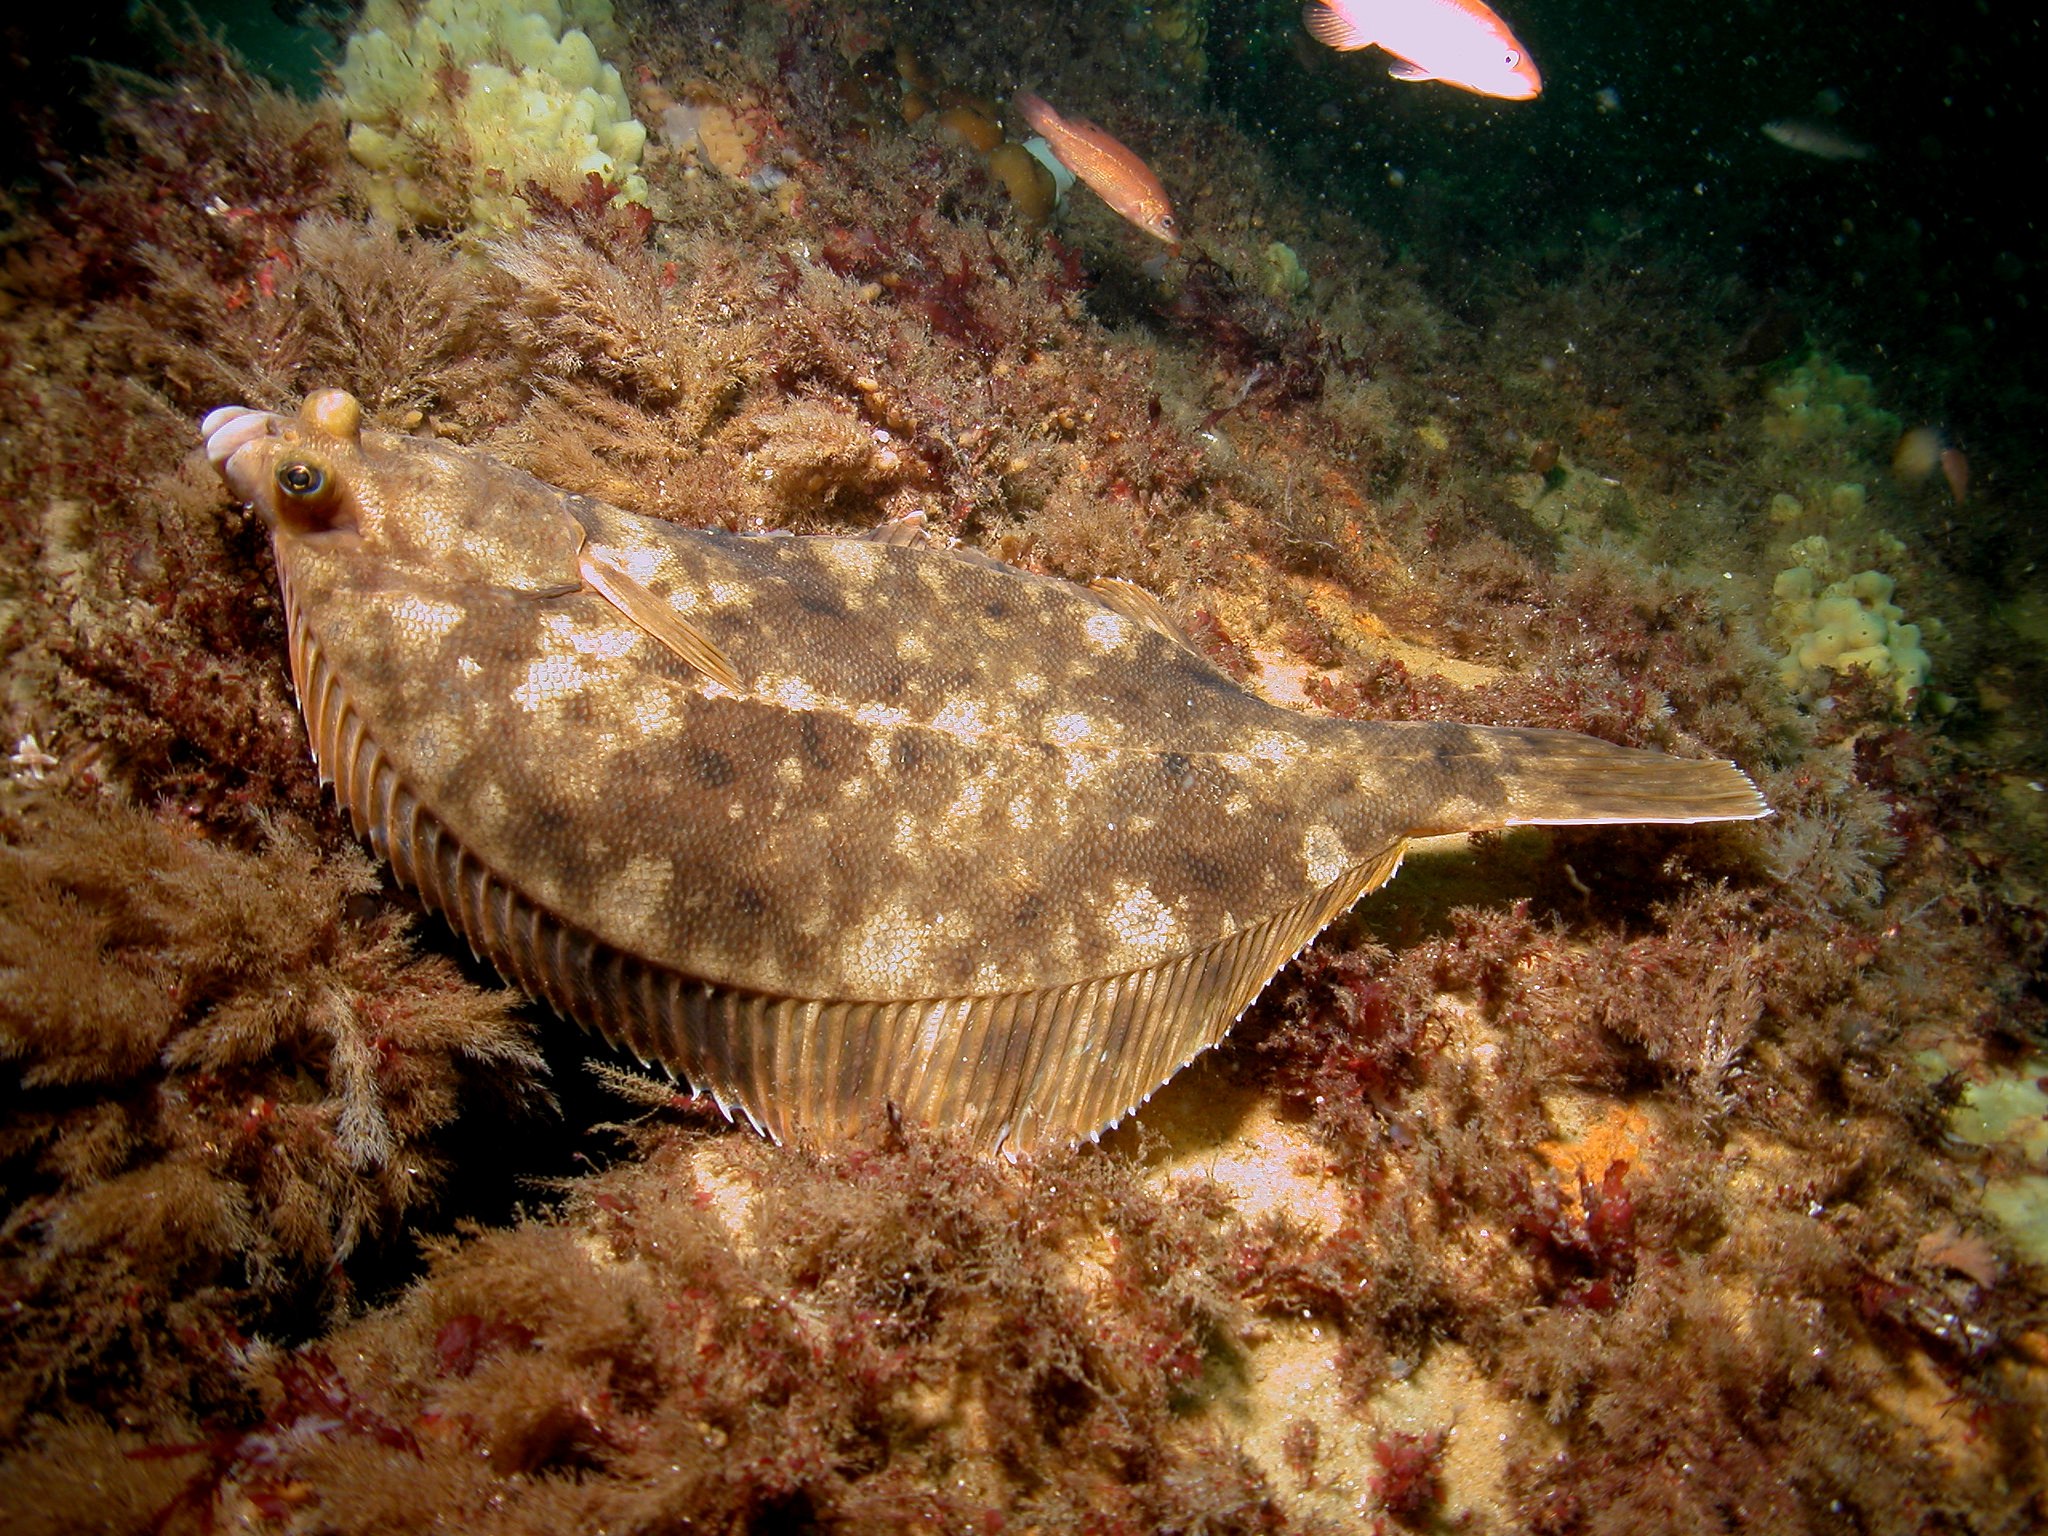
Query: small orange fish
(1117, 176)
(1955, 469)
(1460, 42)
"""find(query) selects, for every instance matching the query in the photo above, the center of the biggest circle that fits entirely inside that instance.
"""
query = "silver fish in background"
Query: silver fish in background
(1820, 140)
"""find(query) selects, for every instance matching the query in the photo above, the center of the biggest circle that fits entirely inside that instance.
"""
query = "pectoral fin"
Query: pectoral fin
(1141, 607)
(656, 618)
(1328, 25)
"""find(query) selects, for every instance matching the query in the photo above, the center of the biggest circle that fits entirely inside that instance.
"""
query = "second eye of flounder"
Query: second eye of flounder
(830, 825)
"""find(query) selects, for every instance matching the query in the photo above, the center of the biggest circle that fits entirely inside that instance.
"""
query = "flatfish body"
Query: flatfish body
(837, 826)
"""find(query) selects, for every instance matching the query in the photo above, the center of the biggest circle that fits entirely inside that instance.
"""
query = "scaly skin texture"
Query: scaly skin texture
(1041, 851)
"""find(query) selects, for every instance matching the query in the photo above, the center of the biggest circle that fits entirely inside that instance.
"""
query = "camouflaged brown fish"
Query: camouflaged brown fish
(830, 825)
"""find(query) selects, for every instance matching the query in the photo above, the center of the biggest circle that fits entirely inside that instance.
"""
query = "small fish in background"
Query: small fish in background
(1922, 451)
(1955, 469)
(1918, 454)
(1460, 42)
(1820, 140)
(1111, 171)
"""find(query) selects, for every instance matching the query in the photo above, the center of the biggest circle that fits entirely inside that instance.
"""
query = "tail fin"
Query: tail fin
(1560, 778)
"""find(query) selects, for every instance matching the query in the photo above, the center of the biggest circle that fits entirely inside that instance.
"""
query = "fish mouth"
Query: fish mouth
(228, 432)
(233, 427)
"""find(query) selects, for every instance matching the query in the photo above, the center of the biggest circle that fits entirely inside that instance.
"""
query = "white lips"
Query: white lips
(233, 427)
(228, 431)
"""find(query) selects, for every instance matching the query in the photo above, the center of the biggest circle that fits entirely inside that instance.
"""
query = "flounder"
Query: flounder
(831, 827)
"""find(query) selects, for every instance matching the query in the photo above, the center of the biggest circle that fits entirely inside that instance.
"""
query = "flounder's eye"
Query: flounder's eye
(1513, 58)
(309, 498)
(301, 481)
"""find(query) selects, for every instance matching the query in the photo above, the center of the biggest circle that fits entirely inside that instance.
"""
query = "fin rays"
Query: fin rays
(653, 617)
(1019, 1071)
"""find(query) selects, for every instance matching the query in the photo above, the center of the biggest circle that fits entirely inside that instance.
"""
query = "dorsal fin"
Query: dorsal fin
(650, 614)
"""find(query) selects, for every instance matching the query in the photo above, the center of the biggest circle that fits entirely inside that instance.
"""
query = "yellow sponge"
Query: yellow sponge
(1848, 623)
(454, 107)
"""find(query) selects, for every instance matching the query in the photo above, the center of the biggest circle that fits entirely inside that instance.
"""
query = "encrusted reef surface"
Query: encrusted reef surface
(1660, 1180)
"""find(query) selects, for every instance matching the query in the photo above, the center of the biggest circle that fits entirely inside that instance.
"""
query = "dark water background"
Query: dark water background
(1921, 266)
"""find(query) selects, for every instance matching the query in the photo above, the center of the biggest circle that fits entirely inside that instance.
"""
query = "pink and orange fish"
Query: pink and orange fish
(1115, 175)
(1460, 42)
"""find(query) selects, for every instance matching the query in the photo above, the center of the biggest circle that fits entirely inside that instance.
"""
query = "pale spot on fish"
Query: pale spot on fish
(1030, 684)
(650, 712)
(1139, 918)
(888, 943)
(422, 613)
(911, 647)
(1081, 767)
(789, 772)
(467, 666)
(792, 693)
(962, 717)
(909, 834)
(1272, 747)
(549, 679)
(643, 565)
(1324, 855)
(855, 557)
(882, 715)
(636, 892)
(607, 644)
(1105, 631)
(968, 803)
(1020, 814)
(1065, 730)
(487, 805)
